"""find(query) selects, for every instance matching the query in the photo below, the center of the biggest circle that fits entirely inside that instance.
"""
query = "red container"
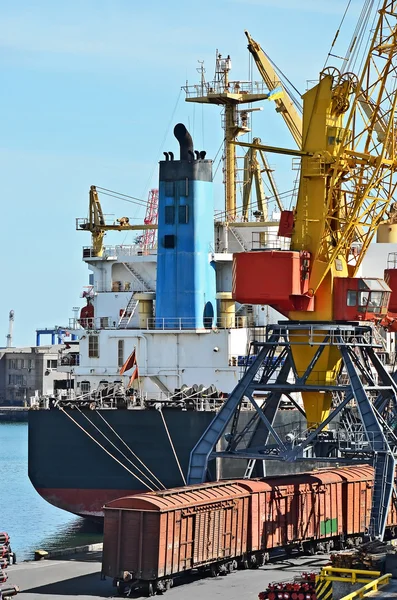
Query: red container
(390, 276)
(272, 277)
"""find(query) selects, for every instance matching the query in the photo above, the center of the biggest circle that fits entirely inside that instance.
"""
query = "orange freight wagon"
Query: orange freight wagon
(295, 509)
(153, 536)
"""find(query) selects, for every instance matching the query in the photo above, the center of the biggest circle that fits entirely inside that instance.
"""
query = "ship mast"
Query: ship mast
(229, 94)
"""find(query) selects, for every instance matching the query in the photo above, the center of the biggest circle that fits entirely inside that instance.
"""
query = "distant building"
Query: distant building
(26, 372)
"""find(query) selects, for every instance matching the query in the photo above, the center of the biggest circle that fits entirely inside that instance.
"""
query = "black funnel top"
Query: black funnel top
(185, 141)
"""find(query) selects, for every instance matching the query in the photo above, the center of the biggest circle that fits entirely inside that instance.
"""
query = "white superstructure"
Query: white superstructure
(168, 360)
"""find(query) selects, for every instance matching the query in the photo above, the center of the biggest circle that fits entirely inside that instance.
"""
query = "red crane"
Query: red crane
(149, 236)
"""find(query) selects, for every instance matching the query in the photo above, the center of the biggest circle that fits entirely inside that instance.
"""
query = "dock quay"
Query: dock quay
(79, 575)
(13, 414)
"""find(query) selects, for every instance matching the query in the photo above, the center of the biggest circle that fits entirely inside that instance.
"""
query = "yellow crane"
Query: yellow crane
(97, 225)
(347, 182)
(284, 104)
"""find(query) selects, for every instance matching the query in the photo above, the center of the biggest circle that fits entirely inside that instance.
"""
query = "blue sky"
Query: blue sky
(90, 95)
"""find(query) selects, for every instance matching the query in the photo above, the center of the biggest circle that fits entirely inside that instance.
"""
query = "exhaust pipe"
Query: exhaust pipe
(185, 141)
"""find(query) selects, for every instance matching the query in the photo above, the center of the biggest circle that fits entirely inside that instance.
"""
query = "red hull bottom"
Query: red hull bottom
(85, 503)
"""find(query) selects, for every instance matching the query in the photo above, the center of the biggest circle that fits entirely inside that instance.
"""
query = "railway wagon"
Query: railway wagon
(151, 537)
(154, 536)
(302, 509)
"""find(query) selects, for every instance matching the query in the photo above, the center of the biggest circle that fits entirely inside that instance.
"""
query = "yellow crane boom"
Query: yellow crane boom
(284, 105)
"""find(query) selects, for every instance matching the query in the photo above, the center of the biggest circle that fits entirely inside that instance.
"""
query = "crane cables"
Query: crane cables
(355, 48)
(151, 486)
(120, 196)
(287, 84)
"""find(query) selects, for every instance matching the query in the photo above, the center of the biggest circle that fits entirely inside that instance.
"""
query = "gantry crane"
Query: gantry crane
(97, 225)
(347, 182)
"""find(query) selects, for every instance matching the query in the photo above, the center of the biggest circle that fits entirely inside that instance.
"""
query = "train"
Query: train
(151, 538)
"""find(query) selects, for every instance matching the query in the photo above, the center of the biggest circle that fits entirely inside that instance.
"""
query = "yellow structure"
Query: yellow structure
(227, 311)
(284, 104)
(372, 580)
(97, 226)
(145, 309)
(347, 182)
(229, 94)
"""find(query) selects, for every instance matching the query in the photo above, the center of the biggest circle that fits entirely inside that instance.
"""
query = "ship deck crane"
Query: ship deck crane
(97, 225)
(149, 237)
(347, 182)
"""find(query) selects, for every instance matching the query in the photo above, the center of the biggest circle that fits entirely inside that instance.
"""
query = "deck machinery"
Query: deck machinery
(327, 350)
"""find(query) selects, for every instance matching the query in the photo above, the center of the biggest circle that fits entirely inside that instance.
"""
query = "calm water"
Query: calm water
(30, 521)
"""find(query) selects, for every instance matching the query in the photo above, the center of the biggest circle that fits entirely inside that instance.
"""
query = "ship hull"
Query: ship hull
(71, 461)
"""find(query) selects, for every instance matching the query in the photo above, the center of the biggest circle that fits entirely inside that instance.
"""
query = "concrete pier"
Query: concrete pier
(13, 414)
(78, 575)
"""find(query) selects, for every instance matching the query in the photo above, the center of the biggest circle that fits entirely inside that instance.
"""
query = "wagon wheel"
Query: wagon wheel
(214, 570)
(121, 588)
(150, 589)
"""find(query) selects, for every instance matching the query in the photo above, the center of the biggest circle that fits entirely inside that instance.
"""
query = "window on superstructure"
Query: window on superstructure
(13, 363)
(169, 241)
(183, 186)
(183, 214)
(51, 364)
(169, 188)
(93, 346)
(120, 353)
(169, 215)
(85, 387)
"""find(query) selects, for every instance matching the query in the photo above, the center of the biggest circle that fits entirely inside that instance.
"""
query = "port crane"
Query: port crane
(326, 351)
(255, 160)
(284, 103)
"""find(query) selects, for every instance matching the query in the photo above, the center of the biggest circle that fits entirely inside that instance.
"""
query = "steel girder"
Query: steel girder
(370, 439)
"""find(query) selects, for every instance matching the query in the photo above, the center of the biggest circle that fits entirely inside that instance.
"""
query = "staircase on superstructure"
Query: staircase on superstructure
(132, 304)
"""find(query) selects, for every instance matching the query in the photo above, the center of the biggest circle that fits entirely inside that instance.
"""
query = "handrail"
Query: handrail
(326, 570)
(369, 587)
(371, 579)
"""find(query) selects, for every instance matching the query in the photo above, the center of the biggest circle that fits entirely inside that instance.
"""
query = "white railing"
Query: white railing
(92, 323)
(182, 323)
(109, 251)
(155, 323)
(219, 87)
(125, 286)
(269, 240)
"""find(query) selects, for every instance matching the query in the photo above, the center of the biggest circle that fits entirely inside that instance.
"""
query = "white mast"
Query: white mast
(10, 328)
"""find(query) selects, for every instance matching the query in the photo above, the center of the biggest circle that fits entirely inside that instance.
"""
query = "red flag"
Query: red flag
(134, 376)
(129, 363)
